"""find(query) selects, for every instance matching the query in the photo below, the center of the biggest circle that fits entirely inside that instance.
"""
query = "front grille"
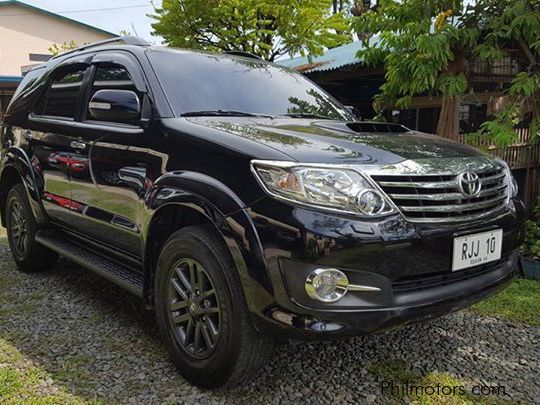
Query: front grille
(437, 198)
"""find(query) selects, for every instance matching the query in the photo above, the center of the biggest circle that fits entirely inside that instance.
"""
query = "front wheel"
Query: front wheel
(201, 311)
(21, 229)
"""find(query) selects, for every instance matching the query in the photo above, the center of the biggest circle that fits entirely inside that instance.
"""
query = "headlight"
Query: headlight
(513, 186)
(326, 187)
(511, 181)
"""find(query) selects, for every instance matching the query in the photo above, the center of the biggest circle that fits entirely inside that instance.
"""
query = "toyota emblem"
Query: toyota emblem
(469, 184)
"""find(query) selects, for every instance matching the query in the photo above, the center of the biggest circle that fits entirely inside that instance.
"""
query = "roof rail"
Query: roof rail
(244, 54)
(126, 40)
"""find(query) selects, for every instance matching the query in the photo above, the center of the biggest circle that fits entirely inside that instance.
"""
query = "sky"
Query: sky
(114, 16)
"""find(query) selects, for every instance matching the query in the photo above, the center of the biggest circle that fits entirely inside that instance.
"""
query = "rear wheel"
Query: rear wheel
(202, 313)
(21, 229)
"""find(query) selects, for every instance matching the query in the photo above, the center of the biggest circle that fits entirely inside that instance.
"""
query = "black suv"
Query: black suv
(245, 204)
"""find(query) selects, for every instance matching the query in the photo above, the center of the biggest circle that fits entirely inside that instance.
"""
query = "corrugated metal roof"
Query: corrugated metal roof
(334, 58)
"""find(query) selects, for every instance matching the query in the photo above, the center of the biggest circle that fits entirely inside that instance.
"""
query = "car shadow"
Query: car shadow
(98, 342)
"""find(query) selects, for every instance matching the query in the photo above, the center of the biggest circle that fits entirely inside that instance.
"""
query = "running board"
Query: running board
(126, 277)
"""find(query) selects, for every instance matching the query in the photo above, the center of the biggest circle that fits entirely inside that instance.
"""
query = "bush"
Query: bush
(531, 244)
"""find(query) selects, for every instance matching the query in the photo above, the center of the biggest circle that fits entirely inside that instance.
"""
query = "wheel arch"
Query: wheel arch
(8, 178)
(198, 200)
(17, 168)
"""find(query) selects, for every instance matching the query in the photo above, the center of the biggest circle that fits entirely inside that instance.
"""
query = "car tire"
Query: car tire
(21, 230)
(196, 256)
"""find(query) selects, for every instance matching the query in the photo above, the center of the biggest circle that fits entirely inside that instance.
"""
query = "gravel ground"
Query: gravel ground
(93, 341)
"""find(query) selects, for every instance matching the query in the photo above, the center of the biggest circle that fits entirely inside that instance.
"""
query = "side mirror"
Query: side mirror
(115, 106)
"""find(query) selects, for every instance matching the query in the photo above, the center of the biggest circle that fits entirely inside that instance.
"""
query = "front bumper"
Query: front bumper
(410, 263)
(405, 306)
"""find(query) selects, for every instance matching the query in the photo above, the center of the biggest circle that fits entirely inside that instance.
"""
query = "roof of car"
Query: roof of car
(136, 45)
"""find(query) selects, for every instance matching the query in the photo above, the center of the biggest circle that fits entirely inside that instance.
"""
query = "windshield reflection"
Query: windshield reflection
(199, 82)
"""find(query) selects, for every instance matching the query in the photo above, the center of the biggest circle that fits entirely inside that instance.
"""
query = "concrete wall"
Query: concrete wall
(24, 31)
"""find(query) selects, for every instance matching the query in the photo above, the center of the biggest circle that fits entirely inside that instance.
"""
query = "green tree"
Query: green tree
(57, 49)
(430, 46)
(267, 28)
(321, 106)
(517, 27)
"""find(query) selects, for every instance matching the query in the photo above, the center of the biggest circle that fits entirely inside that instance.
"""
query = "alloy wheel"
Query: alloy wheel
(193, 308)
(19, 228)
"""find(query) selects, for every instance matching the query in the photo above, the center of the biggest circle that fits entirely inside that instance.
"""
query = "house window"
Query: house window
(39, 57)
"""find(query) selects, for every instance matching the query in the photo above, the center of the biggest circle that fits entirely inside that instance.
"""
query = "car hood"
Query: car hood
(335, 142)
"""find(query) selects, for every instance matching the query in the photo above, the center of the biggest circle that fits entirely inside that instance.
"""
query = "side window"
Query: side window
(61, 98)
(111, 77)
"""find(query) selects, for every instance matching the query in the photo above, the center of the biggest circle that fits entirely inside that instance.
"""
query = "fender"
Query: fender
(18, 159)
(221, 206)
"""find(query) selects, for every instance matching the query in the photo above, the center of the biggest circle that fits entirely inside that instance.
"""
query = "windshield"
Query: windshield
(204, 84)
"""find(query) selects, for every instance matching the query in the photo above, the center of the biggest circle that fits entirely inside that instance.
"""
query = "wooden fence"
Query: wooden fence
(522, 155)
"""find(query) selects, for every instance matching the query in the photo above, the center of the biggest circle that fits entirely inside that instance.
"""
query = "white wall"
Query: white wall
(35, 32)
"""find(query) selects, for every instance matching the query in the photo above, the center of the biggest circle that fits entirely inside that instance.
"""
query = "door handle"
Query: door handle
(77, 145)
(28, 134)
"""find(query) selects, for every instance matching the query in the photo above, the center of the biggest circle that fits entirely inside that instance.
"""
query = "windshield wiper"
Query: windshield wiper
(223, 113)
(305, 115)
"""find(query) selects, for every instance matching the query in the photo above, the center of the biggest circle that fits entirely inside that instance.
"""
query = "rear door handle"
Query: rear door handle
(77, 145)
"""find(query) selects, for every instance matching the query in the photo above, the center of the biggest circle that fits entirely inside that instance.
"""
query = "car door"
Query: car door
(49, 137)
(109, 163)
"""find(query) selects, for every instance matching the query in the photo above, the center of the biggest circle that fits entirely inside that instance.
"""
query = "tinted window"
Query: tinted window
(111, 77)
(61, 98)
(199, 82)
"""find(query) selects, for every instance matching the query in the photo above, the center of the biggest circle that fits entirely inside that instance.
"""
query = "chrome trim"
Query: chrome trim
(493, 179)
(439, 184)
(363, 288)
(464, 218)
(341, 286)
(491, 200)
(381, 194)
(469, 184)
(454, 207)
(434, 167)
(423, 184)
(421, 168)
(446, 196)
(287, 165)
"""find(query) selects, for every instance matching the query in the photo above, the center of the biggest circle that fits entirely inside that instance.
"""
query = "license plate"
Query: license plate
(477, 249)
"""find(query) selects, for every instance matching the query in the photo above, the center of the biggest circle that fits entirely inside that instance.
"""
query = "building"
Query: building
(343, 74)
(26, 34)
(340, 72)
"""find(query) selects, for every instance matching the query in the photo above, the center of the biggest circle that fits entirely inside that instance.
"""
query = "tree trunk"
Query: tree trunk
(448, 125)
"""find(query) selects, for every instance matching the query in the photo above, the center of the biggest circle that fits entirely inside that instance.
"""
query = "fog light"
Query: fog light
(327, 285)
